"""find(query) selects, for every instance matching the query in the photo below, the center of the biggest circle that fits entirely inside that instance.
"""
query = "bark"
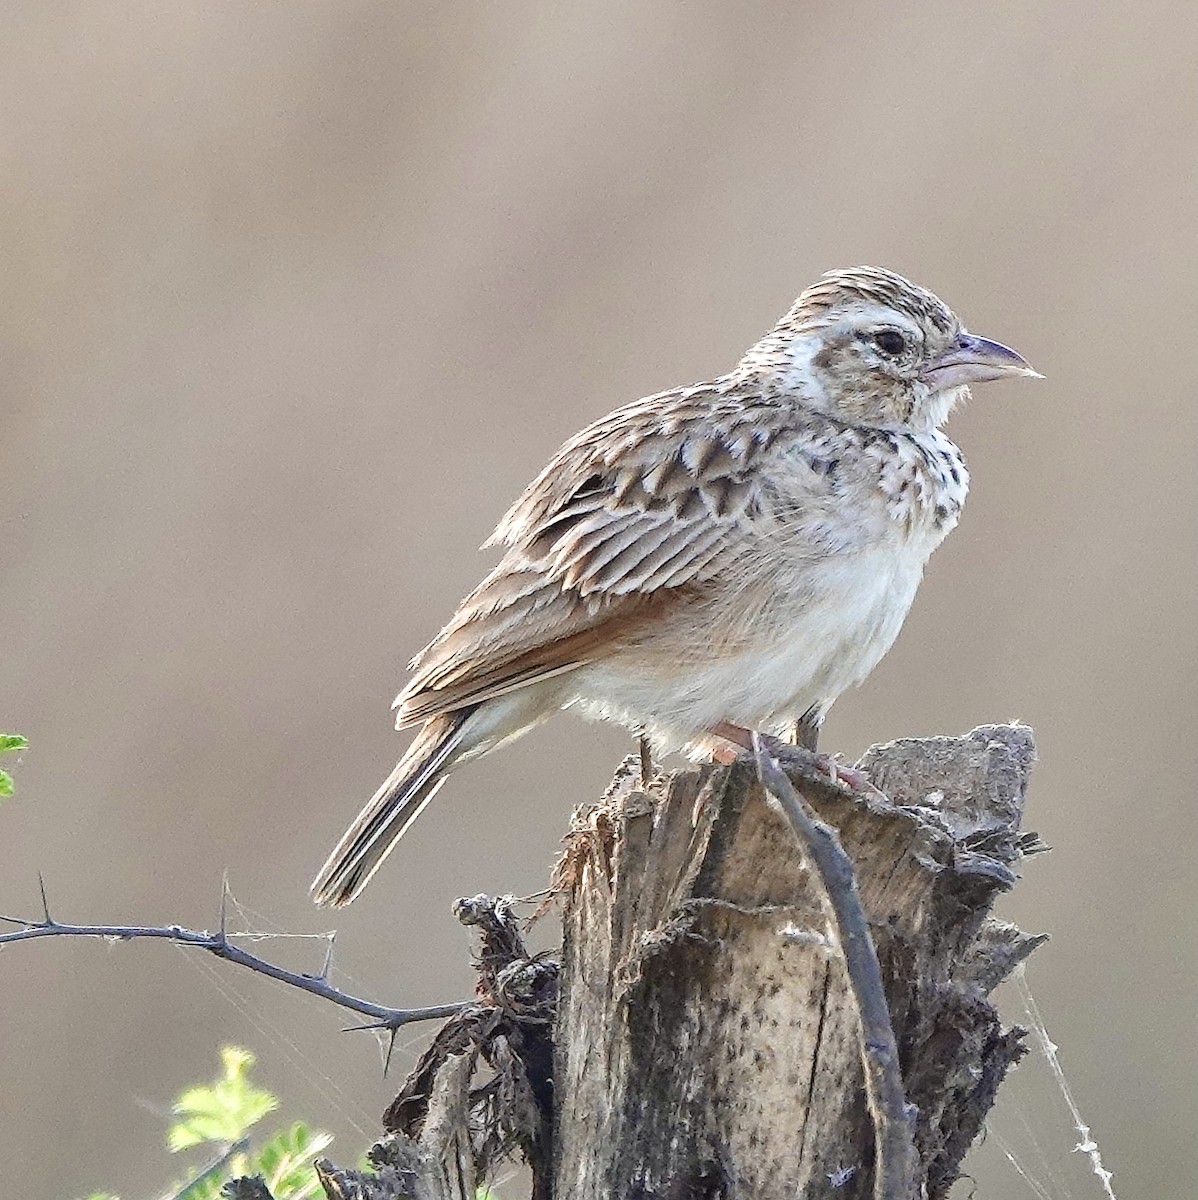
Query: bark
(707, 1041)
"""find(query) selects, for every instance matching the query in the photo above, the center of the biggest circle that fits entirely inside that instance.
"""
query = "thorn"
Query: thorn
(367, 1025)
(390, 1050)
(224, 898)
(328, 957)
(41, 883)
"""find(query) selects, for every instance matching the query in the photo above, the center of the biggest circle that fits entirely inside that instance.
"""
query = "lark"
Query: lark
(708, 561)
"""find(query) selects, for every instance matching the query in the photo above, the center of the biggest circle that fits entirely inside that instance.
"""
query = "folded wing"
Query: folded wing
(630, 519)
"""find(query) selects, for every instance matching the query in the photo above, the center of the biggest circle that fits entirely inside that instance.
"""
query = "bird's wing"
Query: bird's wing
(629, 519)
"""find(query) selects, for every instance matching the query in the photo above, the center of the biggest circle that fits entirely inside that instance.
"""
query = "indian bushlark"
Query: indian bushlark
(710, 560)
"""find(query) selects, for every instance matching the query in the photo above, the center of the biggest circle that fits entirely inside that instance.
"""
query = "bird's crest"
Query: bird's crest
(874, 284)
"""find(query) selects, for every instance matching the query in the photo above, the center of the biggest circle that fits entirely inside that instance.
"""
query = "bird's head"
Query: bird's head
(869, 347)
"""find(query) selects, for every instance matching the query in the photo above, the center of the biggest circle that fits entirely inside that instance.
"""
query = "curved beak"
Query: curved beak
(975, 360)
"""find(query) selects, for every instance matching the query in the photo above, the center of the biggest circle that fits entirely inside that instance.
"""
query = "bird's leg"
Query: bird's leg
(807, 727)
(646, 752)
(801, 755)
(736, 734)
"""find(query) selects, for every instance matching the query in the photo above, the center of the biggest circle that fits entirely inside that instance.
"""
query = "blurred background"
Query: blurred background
(297, 296)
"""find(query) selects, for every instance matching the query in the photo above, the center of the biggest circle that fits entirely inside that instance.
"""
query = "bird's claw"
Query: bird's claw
(838, 773)
(853, 778)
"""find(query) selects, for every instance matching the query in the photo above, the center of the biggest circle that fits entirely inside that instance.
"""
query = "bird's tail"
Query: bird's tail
(389, 812)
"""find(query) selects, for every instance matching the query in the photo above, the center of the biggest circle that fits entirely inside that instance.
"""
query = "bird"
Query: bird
(708, 561)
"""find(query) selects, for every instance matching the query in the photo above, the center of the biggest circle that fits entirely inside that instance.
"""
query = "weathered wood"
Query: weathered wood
(706, 1045)
(893, 1119)
(401, 1169)
(481, 1091)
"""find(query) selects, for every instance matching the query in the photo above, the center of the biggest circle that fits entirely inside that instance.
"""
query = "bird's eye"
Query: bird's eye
(890, 341)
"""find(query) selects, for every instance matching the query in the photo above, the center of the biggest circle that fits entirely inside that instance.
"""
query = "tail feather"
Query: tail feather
(389, 812)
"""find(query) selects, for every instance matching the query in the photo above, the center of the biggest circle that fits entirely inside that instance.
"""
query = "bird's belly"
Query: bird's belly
(805, 642)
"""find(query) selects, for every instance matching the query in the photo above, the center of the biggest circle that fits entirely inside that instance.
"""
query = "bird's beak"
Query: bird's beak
(975, 360)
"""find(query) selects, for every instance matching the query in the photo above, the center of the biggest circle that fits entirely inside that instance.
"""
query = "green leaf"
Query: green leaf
(286, 1162)
(205, 1188)
(8, 743)
(220, 1113)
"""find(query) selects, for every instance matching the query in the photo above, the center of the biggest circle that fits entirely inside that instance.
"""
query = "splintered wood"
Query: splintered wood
(706, 1041)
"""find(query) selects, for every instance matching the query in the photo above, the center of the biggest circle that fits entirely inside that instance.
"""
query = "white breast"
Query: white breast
(800, 628)
(800, 655)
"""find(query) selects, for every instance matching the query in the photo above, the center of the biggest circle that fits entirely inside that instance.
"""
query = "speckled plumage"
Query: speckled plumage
(734, 553)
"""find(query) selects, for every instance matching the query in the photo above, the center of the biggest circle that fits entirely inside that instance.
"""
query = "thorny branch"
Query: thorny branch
(218, 943)
(893, 1118)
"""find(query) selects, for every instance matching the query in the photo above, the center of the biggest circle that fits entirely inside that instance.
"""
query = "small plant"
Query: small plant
(9, 742)
(219, 1117)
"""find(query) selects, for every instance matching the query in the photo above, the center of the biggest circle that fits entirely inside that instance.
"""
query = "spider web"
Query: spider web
(1028, 1134)
(1026, 1138)
(247, 924)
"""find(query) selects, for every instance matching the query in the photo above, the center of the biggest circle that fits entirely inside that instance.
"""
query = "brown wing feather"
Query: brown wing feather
(630, 518)
(516, 658)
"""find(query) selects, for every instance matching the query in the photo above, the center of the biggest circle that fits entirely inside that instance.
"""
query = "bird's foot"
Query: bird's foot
(788, 754)
(840, 772)
(726, 755)
(836, 771)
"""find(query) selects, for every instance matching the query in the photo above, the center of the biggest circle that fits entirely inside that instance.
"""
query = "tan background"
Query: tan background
(294, 299)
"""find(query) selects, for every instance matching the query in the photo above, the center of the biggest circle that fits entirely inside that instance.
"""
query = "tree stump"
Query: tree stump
(706, 1043)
